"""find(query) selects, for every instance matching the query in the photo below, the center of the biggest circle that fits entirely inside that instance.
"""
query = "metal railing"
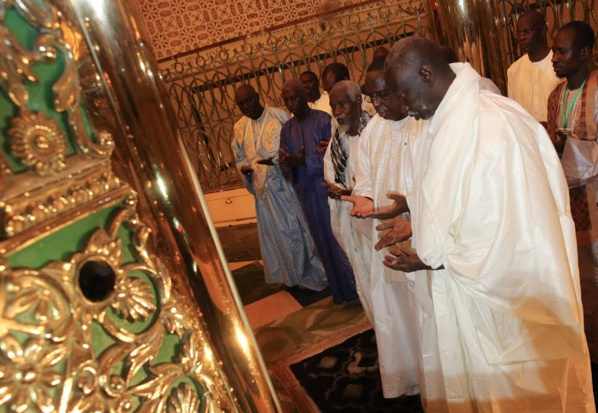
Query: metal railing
(201, 83)
(556, 12)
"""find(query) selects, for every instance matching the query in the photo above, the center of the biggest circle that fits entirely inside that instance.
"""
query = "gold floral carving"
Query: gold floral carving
(16, 71)
(183, 400)
(37, 141)
(48, 361)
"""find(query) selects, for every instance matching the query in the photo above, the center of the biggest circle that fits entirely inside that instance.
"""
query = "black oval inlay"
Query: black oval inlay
(97, 280)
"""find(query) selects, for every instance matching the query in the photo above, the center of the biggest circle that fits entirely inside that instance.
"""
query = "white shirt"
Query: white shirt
(530, 84)
(323, 104)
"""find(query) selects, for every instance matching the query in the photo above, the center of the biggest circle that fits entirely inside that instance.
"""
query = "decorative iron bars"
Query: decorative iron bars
(557, 13)
(202, 84)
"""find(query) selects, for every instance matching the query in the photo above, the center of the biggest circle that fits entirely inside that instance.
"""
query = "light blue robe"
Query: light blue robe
(288, 251)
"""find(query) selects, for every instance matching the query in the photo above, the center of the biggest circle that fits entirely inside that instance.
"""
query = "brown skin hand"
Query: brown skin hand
(362, 206)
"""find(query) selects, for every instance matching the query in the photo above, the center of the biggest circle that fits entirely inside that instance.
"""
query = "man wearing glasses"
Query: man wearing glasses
(531, 78)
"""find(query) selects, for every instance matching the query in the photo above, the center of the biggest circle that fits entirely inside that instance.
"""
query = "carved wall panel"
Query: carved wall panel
(94, 317)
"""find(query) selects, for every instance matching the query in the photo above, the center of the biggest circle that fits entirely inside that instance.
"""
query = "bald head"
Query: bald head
(295, 85)
(417, 71)
(294, 97)
(248, 101)
(534, 17)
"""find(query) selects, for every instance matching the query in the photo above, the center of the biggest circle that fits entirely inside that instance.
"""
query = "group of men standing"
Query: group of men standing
(461, 219)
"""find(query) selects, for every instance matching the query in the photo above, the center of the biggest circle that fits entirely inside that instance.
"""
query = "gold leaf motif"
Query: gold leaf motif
(27, 374)
(134, 299)
(37, 141)
(183, 400)
(102, 244)
(173, 319)
(62, 337)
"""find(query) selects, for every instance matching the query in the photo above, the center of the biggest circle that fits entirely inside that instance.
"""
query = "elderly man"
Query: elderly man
(490, 216)
(301, 150)
(531, 78)
(288, 251)
(387, 295)
(572, 124)
(339, 169)
(315, 99)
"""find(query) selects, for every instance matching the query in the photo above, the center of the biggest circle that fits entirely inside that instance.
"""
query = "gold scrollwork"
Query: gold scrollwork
(29, 202)
(48, 360)
(15, 70)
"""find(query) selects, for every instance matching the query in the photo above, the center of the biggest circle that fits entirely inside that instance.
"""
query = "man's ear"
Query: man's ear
(359, 99)
(426, 73)
(585, 52)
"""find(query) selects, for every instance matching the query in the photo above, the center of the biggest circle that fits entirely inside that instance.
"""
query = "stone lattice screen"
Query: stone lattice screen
(177, 26)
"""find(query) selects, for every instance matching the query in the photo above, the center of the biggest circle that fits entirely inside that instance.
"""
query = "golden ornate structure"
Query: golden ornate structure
(114, 295)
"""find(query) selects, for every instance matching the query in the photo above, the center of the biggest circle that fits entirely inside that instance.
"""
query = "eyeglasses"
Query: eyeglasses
(527, 32)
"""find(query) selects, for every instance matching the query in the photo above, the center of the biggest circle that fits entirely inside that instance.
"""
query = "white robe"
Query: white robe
(344, 227)
(490, 206)
(530, 84)
(389, 294)
(288, 251)
(323, 104)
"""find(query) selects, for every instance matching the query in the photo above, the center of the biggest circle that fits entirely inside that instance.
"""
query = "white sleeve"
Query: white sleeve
(328, 167)
(580, 161)
(363, 175)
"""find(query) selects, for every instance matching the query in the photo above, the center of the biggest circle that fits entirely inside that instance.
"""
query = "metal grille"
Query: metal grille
(201, 84)
(556, 12)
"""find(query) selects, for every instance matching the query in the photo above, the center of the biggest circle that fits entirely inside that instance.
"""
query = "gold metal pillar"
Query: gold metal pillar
(472, 28)
(170, 197)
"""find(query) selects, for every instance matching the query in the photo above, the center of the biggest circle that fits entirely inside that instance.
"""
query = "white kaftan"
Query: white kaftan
(383, 147)
(490, 211)
(530, 84)
(345, 227)
(323, 104)
(288, 251)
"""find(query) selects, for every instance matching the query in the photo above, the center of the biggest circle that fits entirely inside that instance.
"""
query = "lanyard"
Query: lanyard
(567, 112)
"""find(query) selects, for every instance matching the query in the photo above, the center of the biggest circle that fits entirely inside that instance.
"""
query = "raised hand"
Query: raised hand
(400, 230)
(405, 261)
(398, 207)
(362, 206)
(292, 161)
(322, 146)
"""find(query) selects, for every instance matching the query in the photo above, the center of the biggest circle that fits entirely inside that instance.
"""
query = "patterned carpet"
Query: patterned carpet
(341, 378)
(298, 330)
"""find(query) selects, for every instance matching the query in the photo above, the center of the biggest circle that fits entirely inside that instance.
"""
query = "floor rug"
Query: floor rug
(339, 375)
